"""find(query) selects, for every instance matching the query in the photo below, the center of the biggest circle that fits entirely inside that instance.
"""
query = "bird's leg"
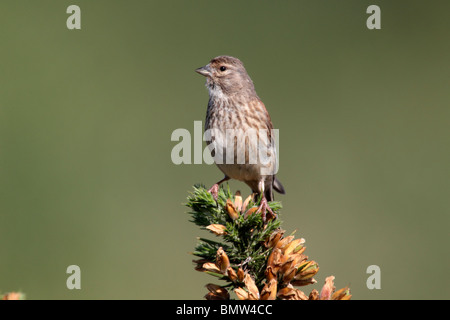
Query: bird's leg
(264, 209)
(214, 190)
(264, 206)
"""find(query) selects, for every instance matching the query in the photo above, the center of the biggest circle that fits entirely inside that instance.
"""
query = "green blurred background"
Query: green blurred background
(86, 117)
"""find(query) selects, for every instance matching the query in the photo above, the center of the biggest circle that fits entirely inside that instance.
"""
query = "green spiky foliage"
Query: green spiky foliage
(243, 240)
(252, 255)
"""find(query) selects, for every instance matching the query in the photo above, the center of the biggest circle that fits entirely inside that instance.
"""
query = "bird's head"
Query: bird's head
(227, 75)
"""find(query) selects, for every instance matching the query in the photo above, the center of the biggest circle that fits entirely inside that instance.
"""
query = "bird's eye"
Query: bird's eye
(223, 68)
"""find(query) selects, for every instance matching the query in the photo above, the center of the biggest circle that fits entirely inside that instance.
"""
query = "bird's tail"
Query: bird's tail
(277, 186)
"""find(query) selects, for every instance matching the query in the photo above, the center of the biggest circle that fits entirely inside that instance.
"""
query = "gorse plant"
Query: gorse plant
(12, 296)
(254, 257)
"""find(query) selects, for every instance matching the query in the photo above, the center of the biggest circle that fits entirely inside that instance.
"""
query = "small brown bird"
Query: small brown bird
(237, 127)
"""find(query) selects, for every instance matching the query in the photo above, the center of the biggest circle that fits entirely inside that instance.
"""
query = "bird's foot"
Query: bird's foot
(265, 210)
(214, 191)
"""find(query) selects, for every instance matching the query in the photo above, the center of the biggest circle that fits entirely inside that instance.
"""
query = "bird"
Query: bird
(237, 127)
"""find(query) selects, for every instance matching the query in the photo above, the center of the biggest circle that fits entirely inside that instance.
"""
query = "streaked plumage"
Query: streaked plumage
(234, 104)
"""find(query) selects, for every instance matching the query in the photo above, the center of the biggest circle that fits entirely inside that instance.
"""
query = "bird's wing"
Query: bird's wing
(260, 120)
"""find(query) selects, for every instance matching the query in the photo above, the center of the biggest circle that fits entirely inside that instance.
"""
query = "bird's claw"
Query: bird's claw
(264, 209)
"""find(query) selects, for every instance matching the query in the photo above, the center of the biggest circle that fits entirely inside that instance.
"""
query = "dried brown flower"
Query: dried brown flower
(241, 293)
(211, 267)
(13, 296)
(246, 202)
(314, 295)
(222, 261)
(251, 287)
(250, 211)
(232, 274)
(231, 210)
(217, 229)
(290, 293)
(328, 289)
(269, 292)
(306, 270)
(240, 275)
(273, 239)
(216, 292)
(238, 201)
(342, 294)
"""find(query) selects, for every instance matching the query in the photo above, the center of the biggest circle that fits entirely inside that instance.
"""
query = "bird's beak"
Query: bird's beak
(204, 71)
